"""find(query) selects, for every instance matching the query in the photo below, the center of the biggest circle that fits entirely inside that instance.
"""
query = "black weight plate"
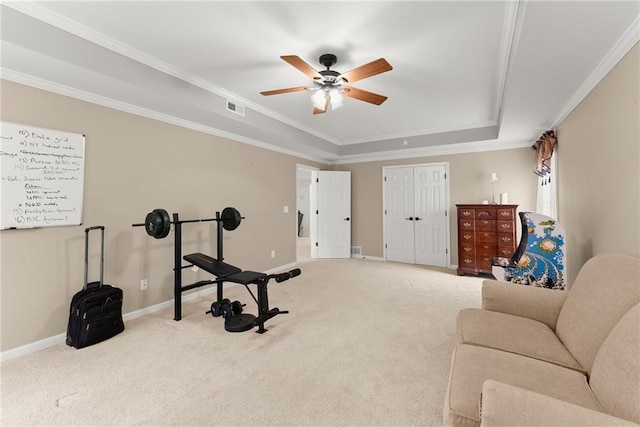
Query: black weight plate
(240, 323)
(158, 223)
(215, 309)
(227, 311)
(236, 307)
(231, 218)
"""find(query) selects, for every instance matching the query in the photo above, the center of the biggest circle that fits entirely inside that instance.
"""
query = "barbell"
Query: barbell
(157, 223)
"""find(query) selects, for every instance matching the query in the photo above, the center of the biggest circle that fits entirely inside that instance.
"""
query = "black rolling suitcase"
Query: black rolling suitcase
(96, 311)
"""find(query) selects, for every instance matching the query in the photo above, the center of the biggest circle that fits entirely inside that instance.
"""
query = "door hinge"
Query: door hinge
(385, 179)
(445, 213)
(445, 176)
(317, 179)
(316, 212)
(385, 211)
(385, 246)
(316, 244)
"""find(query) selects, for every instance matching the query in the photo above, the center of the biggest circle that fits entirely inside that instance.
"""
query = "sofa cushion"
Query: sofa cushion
(606, 288)
(506, 405)
(472, 366)
(524, 301)
(513, 334)
(615, 378)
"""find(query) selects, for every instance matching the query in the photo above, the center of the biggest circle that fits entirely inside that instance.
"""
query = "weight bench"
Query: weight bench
(228, 273)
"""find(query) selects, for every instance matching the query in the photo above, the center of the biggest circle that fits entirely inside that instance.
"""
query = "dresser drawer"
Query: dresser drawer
(486, 213)
(485, 225)
(467, 261)
(486, 237)
(506, 239)
(505, 252)
(505, 226)
(466, 224)
(467, 237)
(485, 251)
(484, 263)
(466, 213)
(467, 250)
(505, 214)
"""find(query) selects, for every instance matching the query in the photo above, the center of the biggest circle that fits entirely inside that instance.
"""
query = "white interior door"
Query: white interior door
(334, 214)
(399, 215)
(313, 218)
(430, 215)
(415, 216)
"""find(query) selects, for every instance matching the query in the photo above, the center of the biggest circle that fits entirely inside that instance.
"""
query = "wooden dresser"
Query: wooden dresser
(484, 231)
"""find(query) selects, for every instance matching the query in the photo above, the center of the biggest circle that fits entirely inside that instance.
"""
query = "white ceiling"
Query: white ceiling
(467, 76)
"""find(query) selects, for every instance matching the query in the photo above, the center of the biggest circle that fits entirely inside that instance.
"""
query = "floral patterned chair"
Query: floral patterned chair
(540, 257)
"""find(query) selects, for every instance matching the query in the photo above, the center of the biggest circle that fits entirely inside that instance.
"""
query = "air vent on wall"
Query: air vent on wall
(235, 108)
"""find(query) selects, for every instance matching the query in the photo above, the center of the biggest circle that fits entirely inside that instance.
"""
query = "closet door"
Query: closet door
(415, 214)
(399, 232)
(430, 215)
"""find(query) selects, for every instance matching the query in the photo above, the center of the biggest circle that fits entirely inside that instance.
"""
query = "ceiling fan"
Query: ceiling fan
(331, 86)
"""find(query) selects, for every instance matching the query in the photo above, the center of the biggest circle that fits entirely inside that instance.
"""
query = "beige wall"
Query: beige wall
(598, 168)
(134, 165)
(469, 183)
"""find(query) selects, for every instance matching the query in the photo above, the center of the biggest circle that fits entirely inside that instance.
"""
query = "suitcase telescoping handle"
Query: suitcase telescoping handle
(86, 255)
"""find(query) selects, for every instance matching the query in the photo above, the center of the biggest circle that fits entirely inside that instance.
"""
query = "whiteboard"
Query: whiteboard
(42, 174)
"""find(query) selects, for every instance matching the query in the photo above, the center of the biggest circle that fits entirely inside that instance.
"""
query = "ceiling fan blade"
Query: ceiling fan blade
(287, 90)
(297, 62)
(373, 68)
(364, 95)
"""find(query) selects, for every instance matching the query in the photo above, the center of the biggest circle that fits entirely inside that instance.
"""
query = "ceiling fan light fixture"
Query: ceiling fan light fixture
(336, 98)
(319, 99)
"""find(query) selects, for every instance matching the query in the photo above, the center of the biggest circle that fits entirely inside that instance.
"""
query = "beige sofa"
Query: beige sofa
(533, 356)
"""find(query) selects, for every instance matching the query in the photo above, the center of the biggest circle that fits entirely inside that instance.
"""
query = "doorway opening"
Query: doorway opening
(304, 178)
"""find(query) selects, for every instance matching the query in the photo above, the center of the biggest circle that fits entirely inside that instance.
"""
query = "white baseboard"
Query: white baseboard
(61, 338)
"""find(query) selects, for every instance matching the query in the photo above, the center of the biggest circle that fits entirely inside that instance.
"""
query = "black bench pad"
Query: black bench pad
(212, 265)
(245, 277)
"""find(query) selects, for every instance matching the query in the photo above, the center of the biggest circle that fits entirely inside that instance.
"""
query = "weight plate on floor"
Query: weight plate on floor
(231, 218)
(240, 323)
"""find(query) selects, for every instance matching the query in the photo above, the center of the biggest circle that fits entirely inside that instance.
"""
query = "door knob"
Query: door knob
(418, 219)
(346, 219)
(410, 218)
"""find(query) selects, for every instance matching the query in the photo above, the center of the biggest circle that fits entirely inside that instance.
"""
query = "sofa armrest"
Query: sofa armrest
(506, 405)
(535, 303)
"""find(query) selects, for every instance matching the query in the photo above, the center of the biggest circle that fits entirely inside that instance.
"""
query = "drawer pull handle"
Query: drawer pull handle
(506, 239)
(468, 261)
(506, 251)
(505, 214)
(468, 249)
(466, 236)
(466, 224)
(506, 226)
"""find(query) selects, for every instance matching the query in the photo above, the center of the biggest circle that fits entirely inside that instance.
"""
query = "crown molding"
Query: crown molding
(441, 150)
(60, 89)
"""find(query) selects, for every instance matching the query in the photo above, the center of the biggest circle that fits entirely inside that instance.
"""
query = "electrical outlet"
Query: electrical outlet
(273, 254)
(144, 284)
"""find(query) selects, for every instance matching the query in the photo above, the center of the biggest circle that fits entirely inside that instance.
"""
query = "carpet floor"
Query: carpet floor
(365, 343)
